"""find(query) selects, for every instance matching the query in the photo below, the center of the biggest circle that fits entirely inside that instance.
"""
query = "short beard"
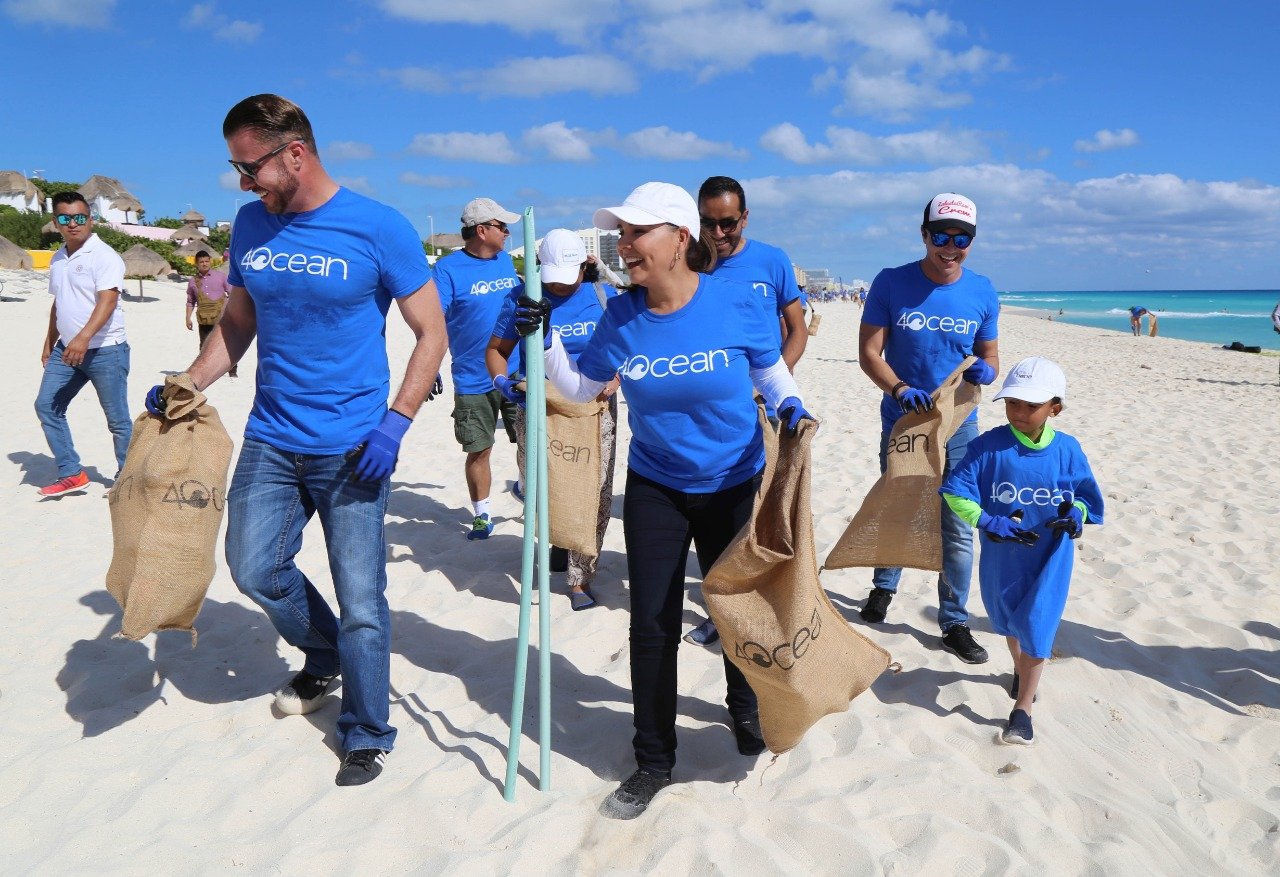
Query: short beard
(285, 193)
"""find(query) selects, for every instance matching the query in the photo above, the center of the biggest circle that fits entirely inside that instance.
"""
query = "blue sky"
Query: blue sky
(1108, 145)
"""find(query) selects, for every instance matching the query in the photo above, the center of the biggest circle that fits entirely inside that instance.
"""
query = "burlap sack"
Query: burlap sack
(573, 471)
(776, 622)
(814, 322)
(899, 522)
(166, 508)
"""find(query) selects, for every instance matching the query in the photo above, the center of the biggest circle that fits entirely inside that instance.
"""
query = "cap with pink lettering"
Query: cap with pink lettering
(950, 210)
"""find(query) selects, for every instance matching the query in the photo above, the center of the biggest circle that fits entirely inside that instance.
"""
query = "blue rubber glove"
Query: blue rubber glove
(1001, 529)
(437, 388)
(507, 387)
(530, 314)
(382, 447)
(915, 400)
(155, 400)
(1070, 520)
(979, 373)
(791, 411)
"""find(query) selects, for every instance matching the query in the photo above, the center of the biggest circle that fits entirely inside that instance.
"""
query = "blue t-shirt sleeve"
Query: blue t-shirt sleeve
(600, 358)
(964, 478)
(402, 262)
(758, 332)
(987, 329)
(875, 312)
(505, 327)
(444, 286)
(1086, 487)
(788, 288)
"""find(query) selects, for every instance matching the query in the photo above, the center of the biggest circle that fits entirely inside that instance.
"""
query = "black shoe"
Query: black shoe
(1019, 731)
(304, 694)
(559, 558)
(959, 641)
(873, 611)
(360, 766)
(746, 730)
(705, 634)
(632, 798)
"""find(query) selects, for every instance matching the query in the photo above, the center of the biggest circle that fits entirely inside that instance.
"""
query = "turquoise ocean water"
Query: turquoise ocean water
(1212, 316)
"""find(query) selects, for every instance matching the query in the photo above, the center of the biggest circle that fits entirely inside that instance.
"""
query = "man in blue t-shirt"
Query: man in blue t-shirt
(314, 268)
(474, 282)
(920, 322)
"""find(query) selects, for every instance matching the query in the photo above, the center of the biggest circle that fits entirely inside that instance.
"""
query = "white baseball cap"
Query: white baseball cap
(652, 204)
(949, 210)
(481, 210)
(1035, 380)
(560, 256)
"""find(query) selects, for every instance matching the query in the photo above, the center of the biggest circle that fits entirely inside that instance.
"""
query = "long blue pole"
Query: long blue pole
(534, 560)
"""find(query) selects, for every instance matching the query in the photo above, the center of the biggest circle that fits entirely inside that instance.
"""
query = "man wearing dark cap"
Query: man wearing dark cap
(920, 321)
(473, 284)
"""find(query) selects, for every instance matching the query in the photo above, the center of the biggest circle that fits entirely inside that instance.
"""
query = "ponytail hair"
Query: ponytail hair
(701, 255)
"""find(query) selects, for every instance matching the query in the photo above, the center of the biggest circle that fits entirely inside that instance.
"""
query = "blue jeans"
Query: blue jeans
(957, 542)
(107, 368)
(273, 494)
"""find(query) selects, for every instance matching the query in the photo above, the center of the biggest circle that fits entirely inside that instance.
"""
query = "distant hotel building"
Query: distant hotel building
(601, 244)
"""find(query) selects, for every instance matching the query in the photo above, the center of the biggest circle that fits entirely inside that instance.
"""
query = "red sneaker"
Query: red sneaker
(63, 486)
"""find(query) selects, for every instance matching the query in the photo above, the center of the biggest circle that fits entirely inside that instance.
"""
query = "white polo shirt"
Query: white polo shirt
(75, 281)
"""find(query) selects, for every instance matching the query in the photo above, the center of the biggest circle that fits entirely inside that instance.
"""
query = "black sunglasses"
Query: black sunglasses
(498, 224)
(725, 225)
(250, 168)
(960, 239)
(68, 218)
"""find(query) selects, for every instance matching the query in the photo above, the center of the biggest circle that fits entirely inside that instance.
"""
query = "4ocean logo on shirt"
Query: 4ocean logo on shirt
(1011, 494)
(484, 287)
(262, 259)
(638, 366)
(917, 321)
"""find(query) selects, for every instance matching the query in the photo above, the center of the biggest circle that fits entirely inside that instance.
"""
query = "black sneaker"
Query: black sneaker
(873, 611)
(632, 798)
(960, 642)
(360, 766)
(705, 634)
(304, 694)
(1019, 731)
(559, 558)
(746, 730)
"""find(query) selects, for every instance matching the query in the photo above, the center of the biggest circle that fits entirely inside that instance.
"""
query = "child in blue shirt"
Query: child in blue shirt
(1029, 488)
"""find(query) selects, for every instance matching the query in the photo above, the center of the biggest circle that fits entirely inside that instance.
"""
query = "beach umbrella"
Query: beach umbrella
(13, 256)
(535, 562)
(141, 261)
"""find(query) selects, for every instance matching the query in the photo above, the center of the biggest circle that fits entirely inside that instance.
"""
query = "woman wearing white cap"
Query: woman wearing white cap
(570, 283)
(689, 349)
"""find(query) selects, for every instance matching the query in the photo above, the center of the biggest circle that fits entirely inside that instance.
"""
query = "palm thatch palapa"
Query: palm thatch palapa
(49, 228)
(190, 248)
(17, 191)
(187, 233)
(13, 256)
(140, 261)
(191, 217)
(112, 194)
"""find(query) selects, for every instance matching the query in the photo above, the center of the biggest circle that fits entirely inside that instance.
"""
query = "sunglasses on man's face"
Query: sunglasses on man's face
(497, 224)
(250, 169)
(77, 218)
(725, 225)
(961, 240)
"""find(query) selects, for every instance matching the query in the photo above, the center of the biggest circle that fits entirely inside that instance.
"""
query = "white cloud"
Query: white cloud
(895, 96)
(71, 13)
(434, 181)
(348, 150)
(466, 146)
(356, 184)
(663, 143)
(1105, 141)
(420, 79)
(939, 146)
(559, 142)
(206, 17)
(229, 179)
(525, 77)
(567, 19)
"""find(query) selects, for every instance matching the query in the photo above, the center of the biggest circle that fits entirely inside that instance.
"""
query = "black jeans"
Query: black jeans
(660, 524)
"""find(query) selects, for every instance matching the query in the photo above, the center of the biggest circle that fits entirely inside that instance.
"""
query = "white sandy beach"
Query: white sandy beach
(1158, 727)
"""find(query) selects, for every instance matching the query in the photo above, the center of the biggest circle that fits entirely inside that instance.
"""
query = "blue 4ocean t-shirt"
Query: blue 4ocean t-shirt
(573, 317)
(932, 327)
(472, 291)
(770, 274)
(321, 284)
(1024, 588)
(686, 378)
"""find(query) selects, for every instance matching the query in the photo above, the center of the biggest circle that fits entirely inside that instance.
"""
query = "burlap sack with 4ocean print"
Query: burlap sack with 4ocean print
(573, 471)
(166, 509)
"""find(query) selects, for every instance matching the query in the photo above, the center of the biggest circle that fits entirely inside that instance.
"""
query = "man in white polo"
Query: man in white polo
(85, 342)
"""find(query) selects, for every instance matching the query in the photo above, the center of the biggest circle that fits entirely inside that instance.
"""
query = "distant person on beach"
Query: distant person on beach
(571, 283)
(1030, 490)
(207, 295)
(689, 348)
(920, 322)
(722, 210)
(1135, 318)
(1275, 317)
(320, 438)
(85, 342)
(474, 282)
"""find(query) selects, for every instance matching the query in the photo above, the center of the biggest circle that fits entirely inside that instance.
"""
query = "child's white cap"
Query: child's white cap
(1035, 380)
